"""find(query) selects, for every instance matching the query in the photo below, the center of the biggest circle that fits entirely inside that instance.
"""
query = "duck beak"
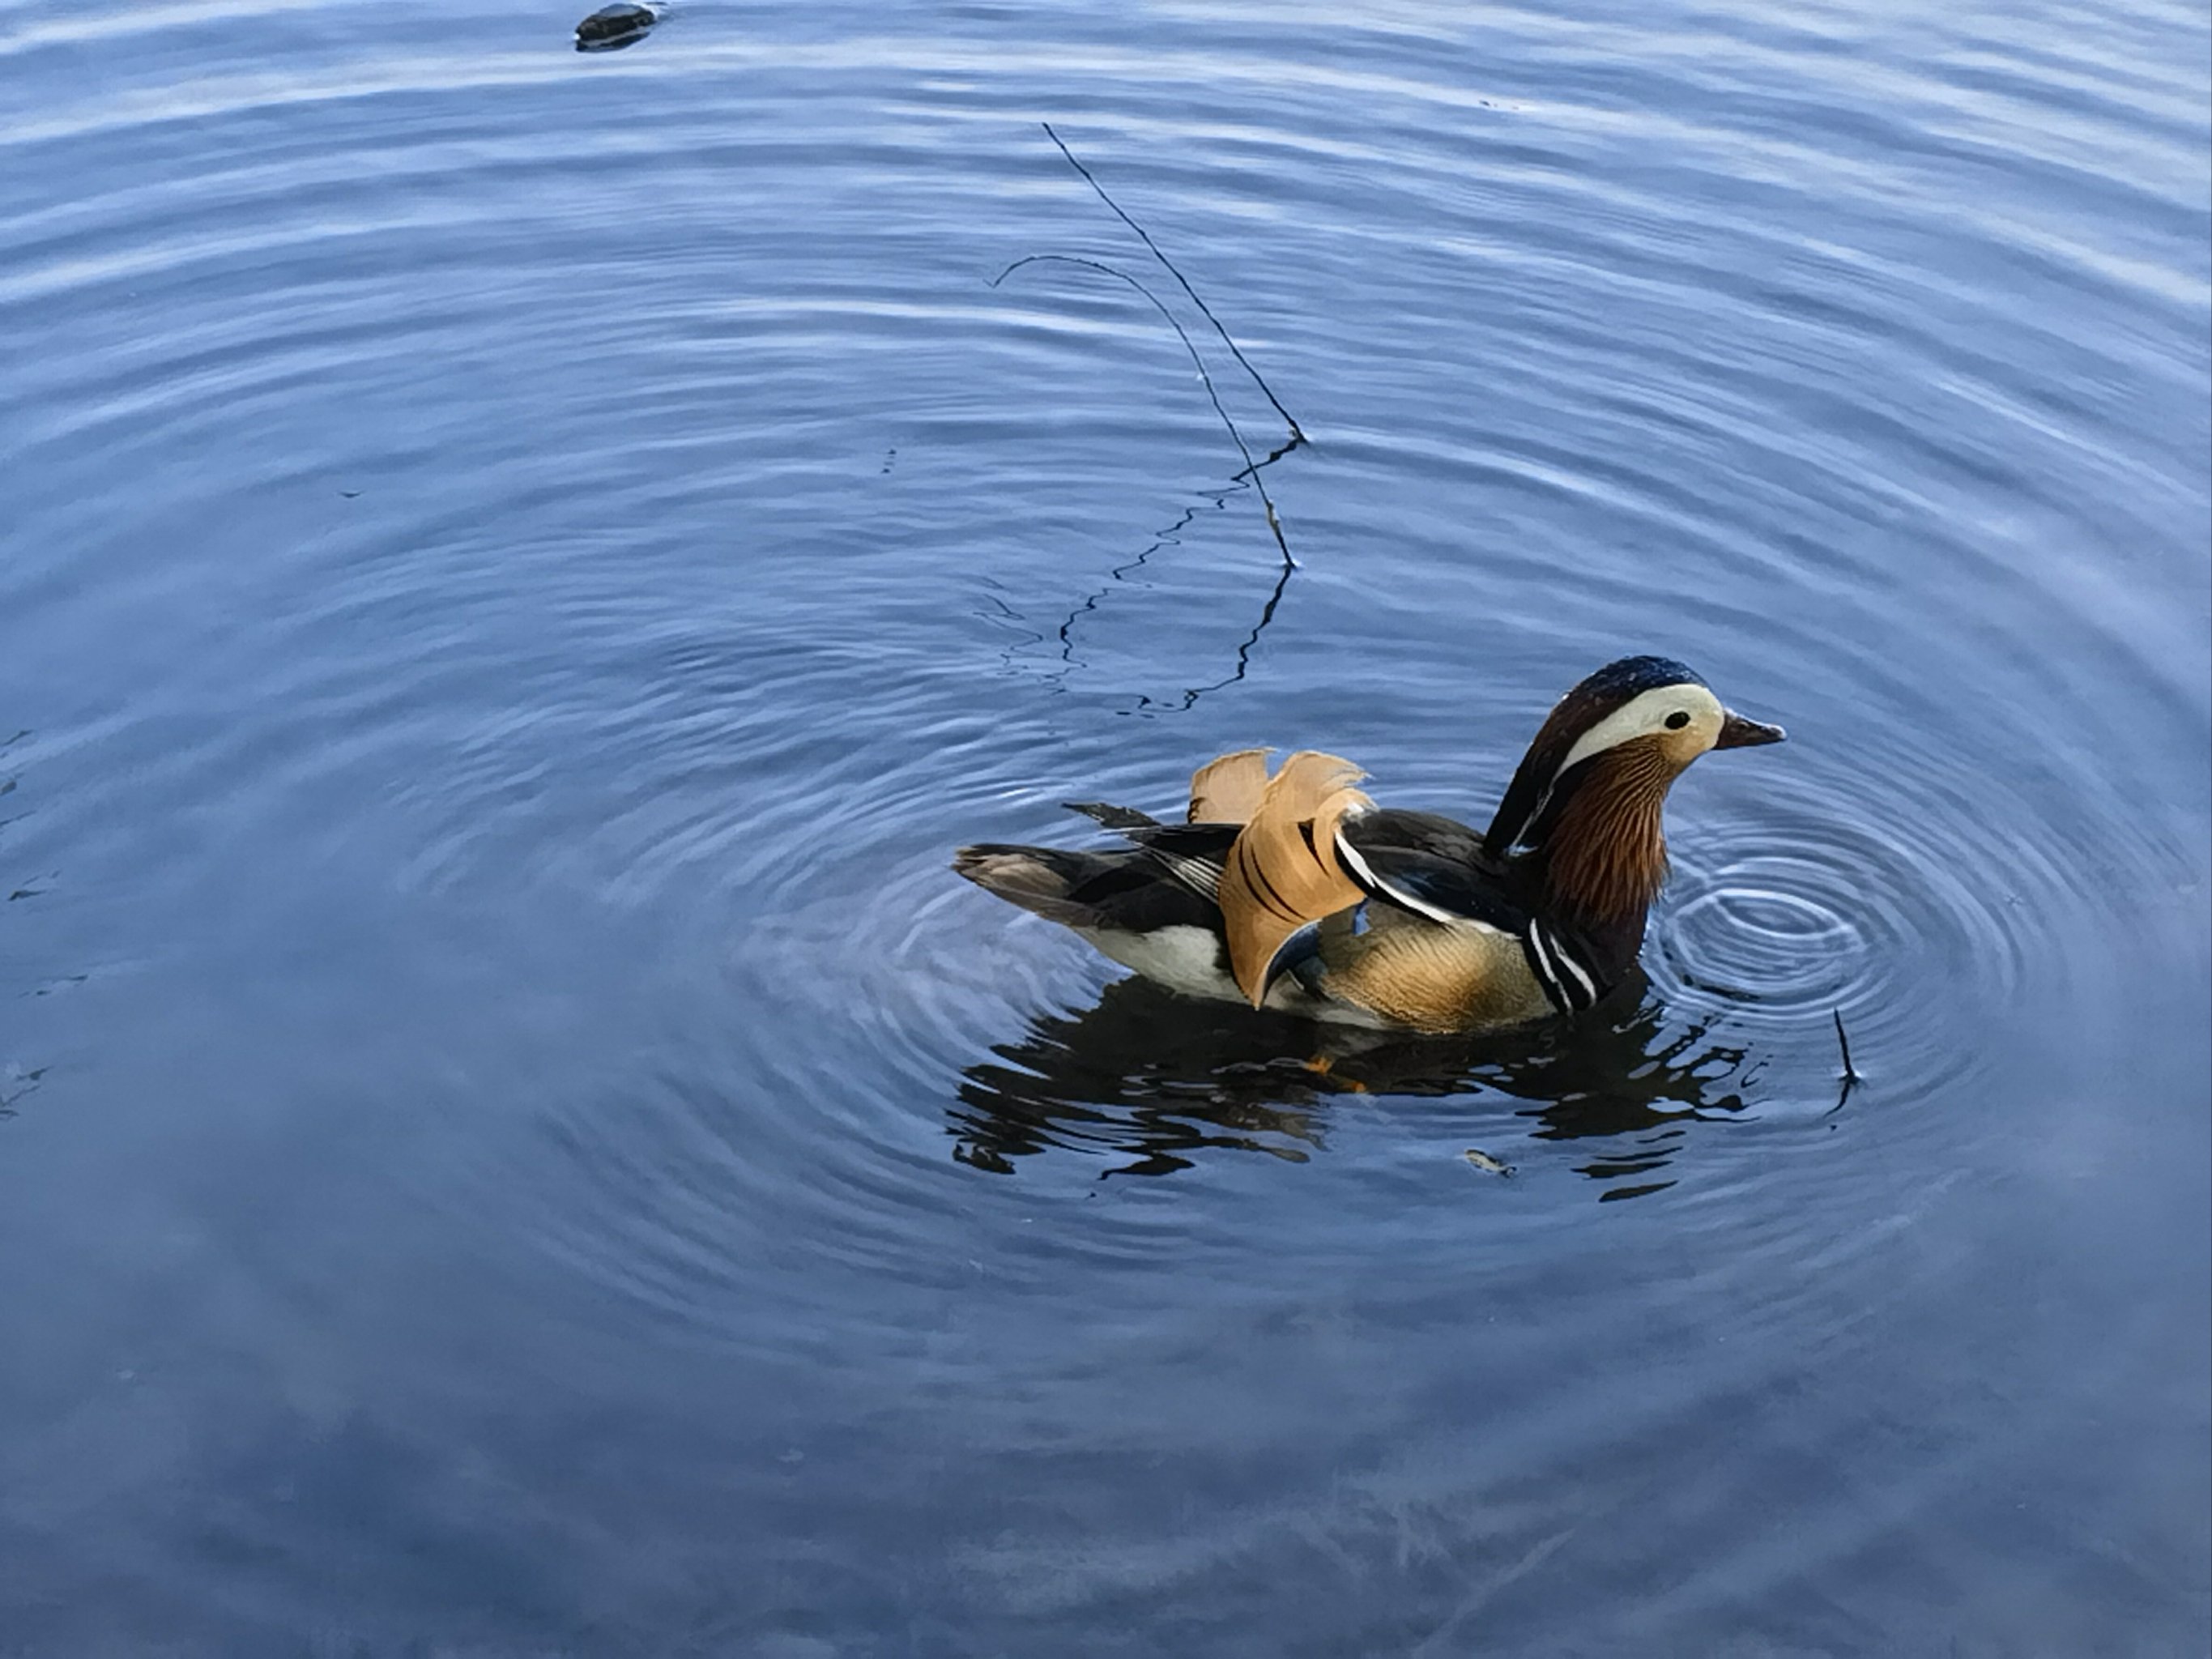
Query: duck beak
(1737, 733)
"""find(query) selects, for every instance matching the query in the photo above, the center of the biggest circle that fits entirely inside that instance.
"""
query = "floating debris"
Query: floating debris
(613, 27)
(1483, 1161)
(1851, 1078)
(1851, 1072)
(15, 1082)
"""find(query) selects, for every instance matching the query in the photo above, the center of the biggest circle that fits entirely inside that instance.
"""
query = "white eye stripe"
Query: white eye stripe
(1641, 715)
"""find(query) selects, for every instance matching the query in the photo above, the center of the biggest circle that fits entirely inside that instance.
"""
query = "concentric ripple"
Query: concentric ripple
(1790, 921)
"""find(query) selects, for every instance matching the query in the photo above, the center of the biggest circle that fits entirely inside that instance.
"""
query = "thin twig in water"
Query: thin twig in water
(1169, 538)
(1251, 467)
(1120, 572)
(1851, 1078)
(1192, 694)
(1251, 470)
(1297, 434)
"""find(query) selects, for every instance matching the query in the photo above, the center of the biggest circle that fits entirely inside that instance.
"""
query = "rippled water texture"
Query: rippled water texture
(518, 567)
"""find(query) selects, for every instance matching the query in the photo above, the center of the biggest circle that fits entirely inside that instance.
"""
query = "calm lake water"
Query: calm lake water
(518, 568)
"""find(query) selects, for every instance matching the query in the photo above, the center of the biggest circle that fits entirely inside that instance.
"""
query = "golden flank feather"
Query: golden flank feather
(1228, 790)
(1282, 871)
(1410, 973)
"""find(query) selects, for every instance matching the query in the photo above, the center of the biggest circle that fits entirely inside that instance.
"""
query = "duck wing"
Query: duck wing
(1193, 854)
(1428, 864)
(1422, 832)
(1437, 868)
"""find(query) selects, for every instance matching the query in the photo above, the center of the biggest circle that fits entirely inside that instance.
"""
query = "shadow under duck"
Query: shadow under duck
(1296, 892)
(1163, 1080)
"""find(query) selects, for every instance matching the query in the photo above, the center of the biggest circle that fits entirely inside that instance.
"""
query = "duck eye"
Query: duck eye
(1677, 721)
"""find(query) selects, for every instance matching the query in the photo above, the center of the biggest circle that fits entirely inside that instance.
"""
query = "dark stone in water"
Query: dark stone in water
(612, 27)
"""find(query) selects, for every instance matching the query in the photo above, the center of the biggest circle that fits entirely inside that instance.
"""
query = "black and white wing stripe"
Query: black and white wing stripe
(1192, 855)
(1201, 876)
(1402, 859)
(1568, 980)
(1401, 893)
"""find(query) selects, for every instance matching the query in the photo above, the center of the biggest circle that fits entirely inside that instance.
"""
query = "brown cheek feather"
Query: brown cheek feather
(1608, 853)
(1684, 746)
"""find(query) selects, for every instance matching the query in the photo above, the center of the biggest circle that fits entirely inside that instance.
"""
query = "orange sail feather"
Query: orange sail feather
(1282, 873)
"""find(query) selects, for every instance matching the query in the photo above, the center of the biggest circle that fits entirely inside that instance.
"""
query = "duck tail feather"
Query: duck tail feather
(1114, 818)
(1037, 878)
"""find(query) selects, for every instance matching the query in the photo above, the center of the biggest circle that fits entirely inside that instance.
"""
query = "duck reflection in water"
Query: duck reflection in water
(1160, 1079)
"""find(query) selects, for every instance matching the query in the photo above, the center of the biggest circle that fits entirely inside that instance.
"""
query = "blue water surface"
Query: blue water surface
(518, 567)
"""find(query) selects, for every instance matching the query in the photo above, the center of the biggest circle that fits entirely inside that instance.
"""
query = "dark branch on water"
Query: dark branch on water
(1192, 694)
(1251, 467)
(1298, 435)
(1851, 1078)
(1248, 475)
(1171, 537)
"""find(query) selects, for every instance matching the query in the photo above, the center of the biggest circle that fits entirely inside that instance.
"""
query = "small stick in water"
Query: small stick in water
(1251, 467)
(1851, 1078)
(1297, 434)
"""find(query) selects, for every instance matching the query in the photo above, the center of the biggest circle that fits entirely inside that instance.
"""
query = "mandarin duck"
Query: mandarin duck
(1295, 893)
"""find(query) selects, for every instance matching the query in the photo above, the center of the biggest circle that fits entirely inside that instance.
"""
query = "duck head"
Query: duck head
(1586, 801)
